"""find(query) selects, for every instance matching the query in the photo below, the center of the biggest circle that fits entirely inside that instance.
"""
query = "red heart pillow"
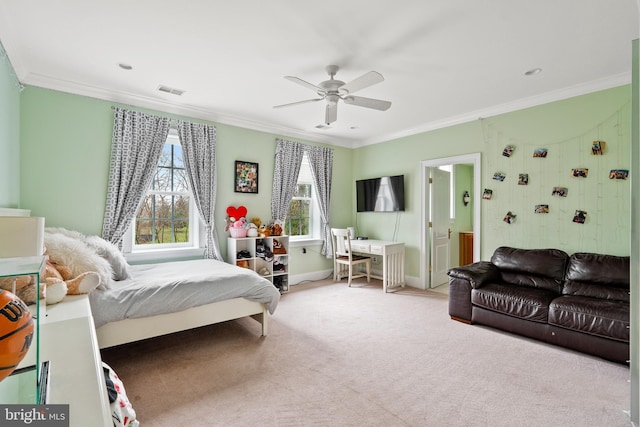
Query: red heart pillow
(238, 212)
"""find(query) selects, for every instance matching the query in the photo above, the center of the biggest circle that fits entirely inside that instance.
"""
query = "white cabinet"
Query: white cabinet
(267, 256)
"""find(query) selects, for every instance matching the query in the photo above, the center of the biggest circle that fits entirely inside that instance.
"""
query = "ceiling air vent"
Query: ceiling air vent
(170, 90)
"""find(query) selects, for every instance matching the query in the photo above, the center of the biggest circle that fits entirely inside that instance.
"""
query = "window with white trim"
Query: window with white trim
(303, 215)
(167, 218)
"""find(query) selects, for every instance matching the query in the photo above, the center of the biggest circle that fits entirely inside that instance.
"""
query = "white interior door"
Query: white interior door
(440, 226)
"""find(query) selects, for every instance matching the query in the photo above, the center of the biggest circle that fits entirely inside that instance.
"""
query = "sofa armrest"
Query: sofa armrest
(477, 274)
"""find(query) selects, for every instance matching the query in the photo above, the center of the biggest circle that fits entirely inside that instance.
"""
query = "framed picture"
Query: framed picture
(246, 177)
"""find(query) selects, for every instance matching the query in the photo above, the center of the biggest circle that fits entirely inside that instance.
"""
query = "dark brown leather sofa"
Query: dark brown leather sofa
(579, 302)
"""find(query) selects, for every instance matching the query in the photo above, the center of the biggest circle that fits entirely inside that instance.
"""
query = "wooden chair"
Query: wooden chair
(342, 256)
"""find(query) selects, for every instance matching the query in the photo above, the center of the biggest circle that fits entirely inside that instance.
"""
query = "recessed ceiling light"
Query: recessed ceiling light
(533, 71)
(125, 66)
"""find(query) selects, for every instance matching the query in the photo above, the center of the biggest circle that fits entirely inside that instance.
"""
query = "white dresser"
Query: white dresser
(68, 341)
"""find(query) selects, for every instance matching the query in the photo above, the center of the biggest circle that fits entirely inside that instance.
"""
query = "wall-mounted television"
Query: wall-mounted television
(384, 194)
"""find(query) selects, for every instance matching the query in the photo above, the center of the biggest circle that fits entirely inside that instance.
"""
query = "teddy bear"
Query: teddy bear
(55, 283)
(59, 282)
(276, 228)
(264, 231)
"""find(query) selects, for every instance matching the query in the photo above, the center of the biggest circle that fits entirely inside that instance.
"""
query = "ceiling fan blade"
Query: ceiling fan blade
(298, 102)
(304, 83)
(360, 101)
(365, 80)
(331, 113)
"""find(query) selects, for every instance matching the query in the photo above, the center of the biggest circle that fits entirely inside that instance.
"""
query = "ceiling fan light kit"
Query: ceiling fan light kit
(332, 91)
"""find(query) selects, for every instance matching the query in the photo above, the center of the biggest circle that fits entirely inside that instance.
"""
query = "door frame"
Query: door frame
(425, 244)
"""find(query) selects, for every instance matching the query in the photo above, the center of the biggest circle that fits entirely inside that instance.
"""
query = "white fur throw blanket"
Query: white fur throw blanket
(81, 254)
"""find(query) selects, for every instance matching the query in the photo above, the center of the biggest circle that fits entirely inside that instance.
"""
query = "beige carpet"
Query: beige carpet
(339, 356)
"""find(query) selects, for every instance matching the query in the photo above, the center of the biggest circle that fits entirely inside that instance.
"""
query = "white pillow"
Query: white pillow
(112, 254)
(77, 256)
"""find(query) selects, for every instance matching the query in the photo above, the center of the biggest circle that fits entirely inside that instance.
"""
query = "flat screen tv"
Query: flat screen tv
(384, 194)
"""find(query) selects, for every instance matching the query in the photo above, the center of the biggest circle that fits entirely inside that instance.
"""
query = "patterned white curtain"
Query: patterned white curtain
(199, 150)
(285, 176)
(321, 162)
(136, 145)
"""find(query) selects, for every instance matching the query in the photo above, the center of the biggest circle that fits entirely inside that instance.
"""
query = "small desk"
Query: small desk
(392, 254)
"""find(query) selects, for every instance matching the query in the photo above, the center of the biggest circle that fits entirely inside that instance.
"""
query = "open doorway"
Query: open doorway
(439, 224)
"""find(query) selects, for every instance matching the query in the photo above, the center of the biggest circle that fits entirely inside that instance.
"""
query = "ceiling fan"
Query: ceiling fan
(333, 90)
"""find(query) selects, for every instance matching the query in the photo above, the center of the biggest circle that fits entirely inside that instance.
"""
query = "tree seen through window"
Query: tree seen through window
(164, 214)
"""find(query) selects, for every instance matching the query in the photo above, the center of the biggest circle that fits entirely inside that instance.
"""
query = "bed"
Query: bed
(163, 298)
(136, 302)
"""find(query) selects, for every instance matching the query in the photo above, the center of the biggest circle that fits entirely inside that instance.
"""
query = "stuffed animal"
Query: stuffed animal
(278, 248)
(276, 228)
(252, 230)
(60, 282)
(25, 287)
(264, 231)
(55, 283)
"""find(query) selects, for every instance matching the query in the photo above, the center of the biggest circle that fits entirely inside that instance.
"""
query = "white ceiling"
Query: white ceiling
(444, 61)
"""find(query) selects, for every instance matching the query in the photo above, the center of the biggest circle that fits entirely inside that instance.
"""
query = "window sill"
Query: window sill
(164, 255)
(304, 242)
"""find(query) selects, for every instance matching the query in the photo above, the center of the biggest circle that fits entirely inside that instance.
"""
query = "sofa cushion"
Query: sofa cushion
(536, 268)
(598, 276)
(604, 318)
(518, 301)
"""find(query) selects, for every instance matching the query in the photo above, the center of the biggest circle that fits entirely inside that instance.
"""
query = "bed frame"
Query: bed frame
(130, 330)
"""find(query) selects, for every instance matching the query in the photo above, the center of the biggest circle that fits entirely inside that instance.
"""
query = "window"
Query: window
(303, 216)
(167, 218)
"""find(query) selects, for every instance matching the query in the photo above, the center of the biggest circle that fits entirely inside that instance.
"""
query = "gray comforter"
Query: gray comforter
(176, 286)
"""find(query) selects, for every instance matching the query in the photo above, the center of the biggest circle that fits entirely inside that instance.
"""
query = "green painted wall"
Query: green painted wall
(66, 139)
(566, 128)
(65, 147)
(9, 136)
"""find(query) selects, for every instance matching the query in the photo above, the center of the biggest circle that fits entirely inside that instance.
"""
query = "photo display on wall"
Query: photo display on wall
(508, 150)
(510, 218)
(597, 148)
(523, 179)
(580, 172)
(560, 191)
(541, 209)
(619, 174)
(580, 217)
(540, 153)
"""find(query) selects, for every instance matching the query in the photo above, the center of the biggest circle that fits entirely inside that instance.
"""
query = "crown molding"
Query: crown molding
(532, 101)
(47, 82)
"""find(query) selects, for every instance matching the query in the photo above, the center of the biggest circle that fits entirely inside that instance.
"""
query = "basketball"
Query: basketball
(16, 332)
